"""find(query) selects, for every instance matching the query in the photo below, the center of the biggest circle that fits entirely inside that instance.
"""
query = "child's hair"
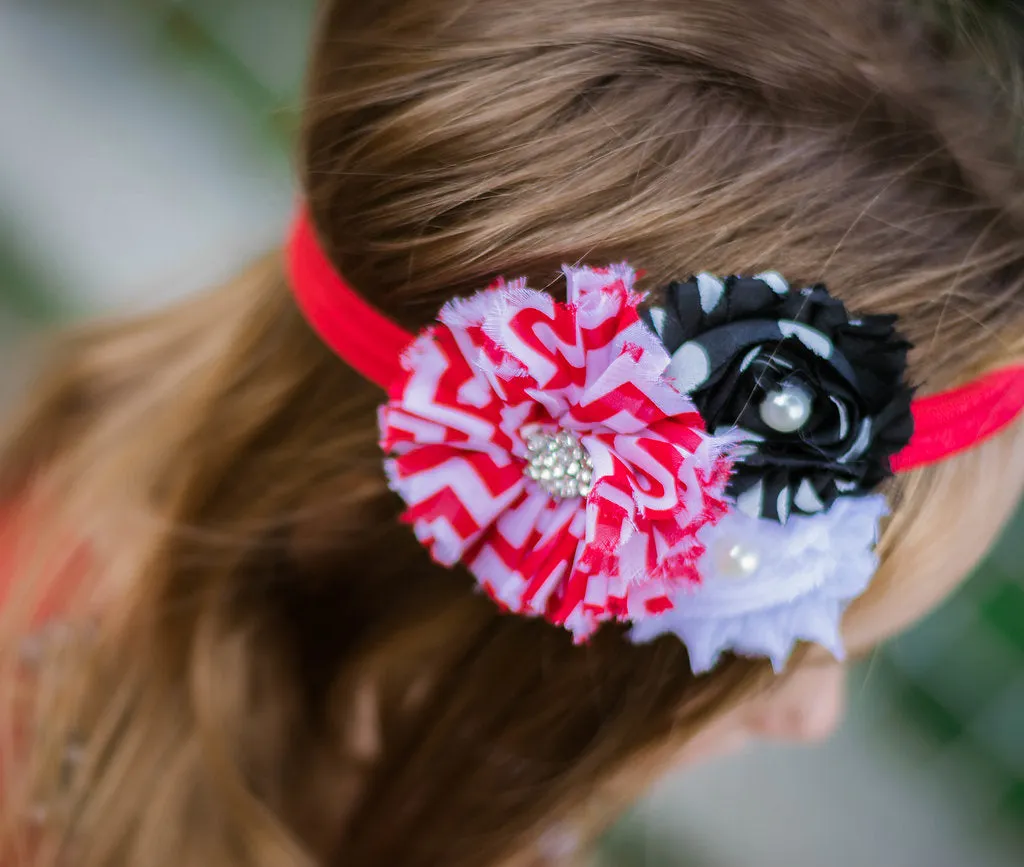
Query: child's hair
(281, 676)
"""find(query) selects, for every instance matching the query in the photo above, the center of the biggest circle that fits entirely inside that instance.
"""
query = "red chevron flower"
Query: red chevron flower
(538, 443)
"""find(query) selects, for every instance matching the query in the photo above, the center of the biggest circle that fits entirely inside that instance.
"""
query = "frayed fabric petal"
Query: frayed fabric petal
(539, 443)
(767, 586)
(818, 395)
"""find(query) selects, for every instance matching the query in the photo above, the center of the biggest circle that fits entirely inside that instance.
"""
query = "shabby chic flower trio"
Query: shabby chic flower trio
(703, 469)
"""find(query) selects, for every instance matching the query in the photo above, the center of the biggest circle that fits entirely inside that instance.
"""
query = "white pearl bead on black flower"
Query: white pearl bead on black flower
(787, 408)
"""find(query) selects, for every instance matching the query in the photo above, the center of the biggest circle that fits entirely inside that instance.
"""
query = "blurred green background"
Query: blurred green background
(146, 153)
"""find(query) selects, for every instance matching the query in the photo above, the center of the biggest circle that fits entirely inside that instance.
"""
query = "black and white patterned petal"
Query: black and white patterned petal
(739, 343)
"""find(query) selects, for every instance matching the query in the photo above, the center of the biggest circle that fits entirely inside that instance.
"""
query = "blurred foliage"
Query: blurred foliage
(24, 295)
(219, 37)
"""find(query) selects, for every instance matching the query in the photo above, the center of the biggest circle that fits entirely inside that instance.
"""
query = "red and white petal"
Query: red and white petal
(522, 562)
(509, 361)
(453, 495)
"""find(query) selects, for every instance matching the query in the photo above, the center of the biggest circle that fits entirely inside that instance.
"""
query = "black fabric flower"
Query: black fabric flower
(818, 397)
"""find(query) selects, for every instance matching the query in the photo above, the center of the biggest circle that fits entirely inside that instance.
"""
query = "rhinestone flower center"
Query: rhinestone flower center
(559, 464)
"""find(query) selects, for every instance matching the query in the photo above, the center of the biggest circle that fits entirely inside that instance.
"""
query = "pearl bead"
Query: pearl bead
(737, 560)
(559, 464)
(786, 409)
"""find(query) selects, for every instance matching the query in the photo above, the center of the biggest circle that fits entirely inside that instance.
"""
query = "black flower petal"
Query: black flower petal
(736, 340)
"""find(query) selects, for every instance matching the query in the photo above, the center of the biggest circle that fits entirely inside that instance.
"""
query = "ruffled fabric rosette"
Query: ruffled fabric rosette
(539, 444)
(561, 452)
(818, 402)
(765, 586)
(816, 394)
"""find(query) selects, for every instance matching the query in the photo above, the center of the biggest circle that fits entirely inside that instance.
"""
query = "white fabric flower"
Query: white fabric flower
(767, 586)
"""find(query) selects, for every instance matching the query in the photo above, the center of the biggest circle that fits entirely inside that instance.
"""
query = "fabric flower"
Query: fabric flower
(513, 393)
(767, 586)
(818, 396)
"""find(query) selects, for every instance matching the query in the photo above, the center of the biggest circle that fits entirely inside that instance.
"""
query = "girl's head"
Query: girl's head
(279, 673)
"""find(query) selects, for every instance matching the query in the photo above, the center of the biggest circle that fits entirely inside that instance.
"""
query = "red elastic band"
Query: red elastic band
(361, 335)
(955, 420)
(372, 344)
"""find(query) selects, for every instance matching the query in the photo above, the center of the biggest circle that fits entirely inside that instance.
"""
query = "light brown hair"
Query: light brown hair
(277, 675)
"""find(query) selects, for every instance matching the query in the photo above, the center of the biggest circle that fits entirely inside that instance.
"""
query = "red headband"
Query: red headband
(366, 339)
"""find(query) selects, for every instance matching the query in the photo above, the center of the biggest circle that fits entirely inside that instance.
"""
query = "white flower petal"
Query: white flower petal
(807, 573)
